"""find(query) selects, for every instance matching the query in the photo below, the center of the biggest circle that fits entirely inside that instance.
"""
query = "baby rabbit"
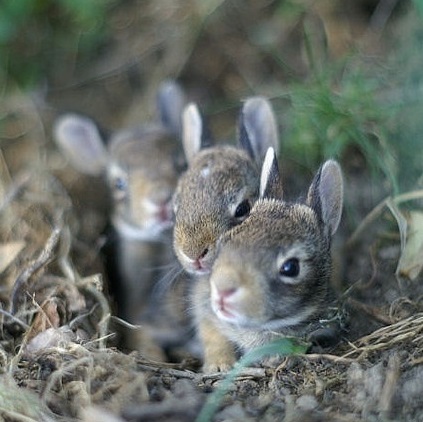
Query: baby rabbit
(221, 183)
(141, 166)
(272, 273)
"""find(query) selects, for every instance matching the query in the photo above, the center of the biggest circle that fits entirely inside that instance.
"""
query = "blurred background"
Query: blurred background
(344, 76)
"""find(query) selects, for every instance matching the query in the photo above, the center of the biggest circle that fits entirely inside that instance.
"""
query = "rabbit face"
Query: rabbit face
(215, 194)
(274, 278)
(142, 178)
(141, 164)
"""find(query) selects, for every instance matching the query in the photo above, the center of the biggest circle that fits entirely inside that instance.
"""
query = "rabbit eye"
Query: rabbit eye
(243, 209)
(290, 268)
(120, 188)
(120, 184)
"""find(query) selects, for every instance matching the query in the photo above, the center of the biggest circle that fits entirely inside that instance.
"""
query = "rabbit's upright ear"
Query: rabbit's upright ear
(325, 195)
(171, 101)
(80, 141)
(270, 180)
(193, 133)
(257, 128)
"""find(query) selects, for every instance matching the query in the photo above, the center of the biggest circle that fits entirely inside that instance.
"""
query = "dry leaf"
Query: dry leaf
(52, 337)
(411, 261)
(9, 252)
(47, 317)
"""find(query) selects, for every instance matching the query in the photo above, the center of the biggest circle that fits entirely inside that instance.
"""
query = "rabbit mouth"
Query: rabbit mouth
(227, 313)
(158, 211)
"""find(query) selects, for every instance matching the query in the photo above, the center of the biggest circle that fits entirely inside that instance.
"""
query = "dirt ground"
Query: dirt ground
(57, 358)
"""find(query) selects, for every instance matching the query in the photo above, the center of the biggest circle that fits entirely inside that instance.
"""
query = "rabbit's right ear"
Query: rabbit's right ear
(79, 139)
(270, 180)
(171, 101)
(193, 139)
(257, 128)
(325, 195)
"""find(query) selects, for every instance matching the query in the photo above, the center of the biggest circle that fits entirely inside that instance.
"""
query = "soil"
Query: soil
(58, 357)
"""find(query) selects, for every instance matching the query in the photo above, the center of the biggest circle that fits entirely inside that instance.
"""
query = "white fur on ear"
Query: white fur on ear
(79, 139)
(270, 183)
(258, 128)
(192, 130)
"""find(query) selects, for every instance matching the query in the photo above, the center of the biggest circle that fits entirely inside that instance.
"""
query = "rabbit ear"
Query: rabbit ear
(193, 138)
(170, 103)
(257, 128)
(325, 195)
(270, 180)
(79, 139)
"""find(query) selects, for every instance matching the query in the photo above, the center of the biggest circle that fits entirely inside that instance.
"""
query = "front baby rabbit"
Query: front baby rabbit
(272, 272)
(221, 183)
(141, 166)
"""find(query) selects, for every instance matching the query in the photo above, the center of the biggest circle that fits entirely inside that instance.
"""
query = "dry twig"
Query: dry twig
(44, 258)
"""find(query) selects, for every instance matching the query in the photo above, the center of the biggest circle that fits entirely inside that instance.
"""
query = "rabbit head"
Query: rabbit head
(272, 271)
(221, 184)
(141, 165)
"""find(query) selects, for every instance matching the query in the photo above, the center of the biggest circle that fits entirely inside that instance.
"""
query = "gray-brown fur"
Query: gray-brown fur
(199, 227)
(219, 179)
(248, 301)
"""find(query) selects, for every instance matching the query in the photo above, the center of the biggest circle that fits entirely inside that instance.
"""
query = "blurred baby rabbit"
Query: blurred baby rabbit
(141, 166)
(221, 183)
(272, 273)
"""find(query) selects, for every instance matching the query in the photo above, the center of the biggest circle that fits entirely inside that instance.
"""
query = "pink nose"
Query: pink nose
(224, 294)
(223, 297)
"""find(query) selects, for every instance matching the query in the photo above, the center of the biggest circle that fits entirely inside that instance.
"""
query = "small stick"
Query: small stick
(388, 390)
(44, 257)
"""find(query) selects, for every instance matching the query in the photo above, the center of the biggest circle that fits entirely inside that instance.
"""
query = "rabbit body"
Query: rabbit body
(272, 272)
(141, 166)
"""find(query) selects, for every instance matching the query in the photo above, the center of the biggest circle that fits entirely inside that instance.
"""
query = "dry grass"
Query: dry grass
(56, 355)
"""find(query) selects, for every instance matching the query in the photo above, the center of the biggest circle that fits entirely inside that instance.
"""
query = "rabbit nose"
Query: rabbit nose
(225, 301)
(203, 254)
(200, 261)
(164, 212)
(224, 294)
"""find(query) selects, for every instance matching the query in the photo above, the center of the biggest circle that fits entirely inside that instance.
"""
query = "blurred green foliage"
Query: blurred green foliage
(330, 115)
(38, 36)
(419, 5)
(369, 105)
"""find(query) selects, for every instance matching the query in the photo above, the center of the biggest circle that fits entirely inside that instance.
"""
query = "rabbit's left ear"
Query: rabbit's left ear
(325, 195)
(270, 180)
(257, 128)
(170, 103)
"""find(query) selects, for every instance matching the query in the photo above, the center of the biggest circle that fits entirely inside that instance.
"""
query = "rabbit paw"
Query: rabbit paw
(220, 364)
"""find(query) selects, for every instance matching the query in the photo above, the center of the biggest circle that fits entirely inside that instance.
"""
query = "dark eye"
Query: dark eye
(290, 268)
(120, 184)
(243, 209)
